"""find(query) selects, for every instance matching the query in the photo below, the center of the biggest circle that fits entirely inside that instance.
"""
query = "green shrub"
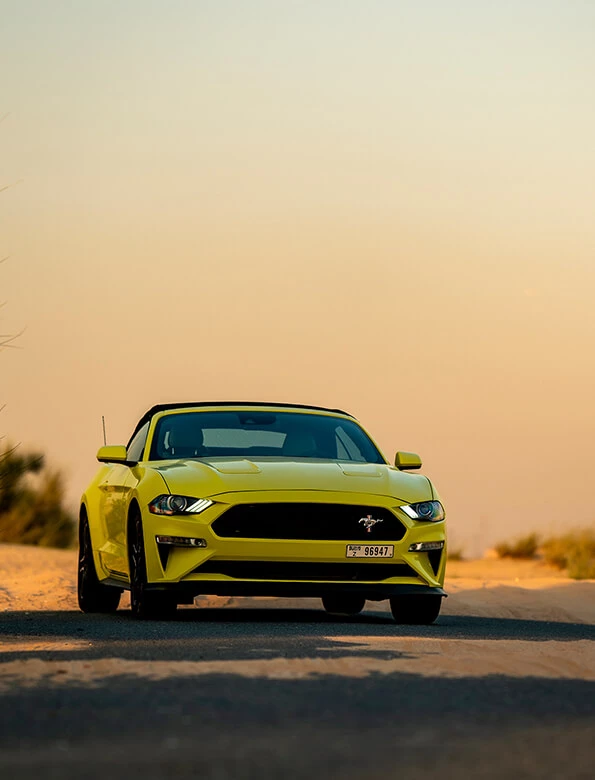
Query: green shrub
(31, 502)
(574, 551)
(525, 547)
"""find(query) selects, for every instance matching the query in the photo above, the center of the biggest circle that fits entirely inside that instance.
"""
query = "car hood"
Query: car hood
(206, 478)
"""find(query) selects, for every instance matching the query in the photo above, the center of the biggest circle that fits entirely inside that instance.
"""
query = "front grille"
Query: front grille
(308, 521)
(297, 570)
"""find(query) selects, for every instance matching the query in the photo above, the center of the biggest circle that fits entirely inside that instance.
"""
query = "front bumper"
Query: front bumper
(179, 569)
(371, 592)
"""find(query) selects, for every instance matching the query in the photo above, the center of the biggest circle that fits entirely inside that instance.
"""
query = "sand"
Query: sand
(37, 580)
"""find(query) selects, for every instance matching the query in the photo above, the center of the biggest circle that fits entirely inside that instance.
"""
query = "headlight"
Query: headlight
(178, 505)
(425, 510)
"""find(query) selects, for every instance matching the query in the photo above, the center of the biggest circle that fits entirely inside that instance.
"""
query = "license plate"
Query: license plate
(370, 551)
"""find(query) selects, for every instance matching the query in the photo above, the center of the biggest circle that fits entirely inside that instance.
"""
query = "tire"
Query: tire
(145, 604)
(92, 595)
(343, 604)
(416, 610)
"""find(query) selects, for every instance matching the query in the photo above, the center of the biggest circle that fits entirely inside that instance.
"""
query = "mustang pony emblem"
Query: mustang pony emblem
(369, 522)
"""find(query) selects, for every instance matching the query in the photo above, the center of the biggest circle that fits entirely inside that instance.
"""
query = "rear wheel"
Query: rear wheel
(92, 595)
(145, 604)
(343, 604)
(416, 610)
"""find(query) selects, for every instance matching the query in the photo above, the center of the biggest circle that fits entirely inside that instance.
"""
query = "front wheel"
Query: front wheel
(92, 595)
(416, 610)
(343, 604)
(145, 604)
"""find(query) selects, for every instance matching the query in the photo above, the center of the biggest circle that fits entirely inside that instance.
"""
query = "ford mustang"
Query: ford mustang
(252, 499)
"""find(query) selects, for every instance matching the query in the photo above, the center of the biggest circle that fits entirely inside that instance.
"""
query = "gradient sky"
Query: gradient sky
(383, 206)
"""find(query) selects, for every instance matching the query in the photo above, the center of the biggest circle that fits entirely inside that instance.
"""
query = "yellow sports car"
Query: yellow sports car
(250, 499)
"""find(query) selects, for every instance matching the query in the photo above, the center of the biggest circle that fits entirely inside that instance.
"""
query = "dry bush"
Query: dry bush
(525, 547)
(455, 554)
(31, 502)
(574, 551)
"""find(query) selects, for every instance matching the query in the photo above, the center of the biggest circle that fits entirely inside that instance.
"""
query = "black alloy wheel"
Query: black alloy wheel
(343, 604)
(145, 604)
(92, 595)
(416, 610)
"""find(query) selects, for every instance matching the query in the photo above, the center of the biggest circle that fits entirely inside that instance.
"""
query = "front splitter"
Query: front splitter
(371, 592)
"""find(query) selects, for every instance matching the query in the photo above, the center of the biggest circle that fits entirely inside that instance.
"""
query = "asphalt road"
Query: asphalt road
(329, 726)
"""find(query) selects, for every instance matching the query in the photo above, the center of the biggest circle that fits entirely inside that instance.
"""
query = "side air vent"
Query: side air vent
(435, 556)
(164, 551)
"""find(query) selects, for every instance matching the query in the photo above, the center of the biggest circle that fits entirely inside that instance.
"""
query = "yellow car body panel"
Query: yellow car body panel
(119, 489)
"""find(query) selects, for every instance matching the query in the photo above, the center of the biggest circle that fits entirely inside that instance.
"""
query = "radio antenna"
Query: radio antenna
(103, 423)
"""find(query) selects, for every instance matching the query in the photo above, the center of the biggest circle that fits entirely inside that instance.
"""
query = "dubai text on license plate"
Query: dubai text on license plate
(370, 551)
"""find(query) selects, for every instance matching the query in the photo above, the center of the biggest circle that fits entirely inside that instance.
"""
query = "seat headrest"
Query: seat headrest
(300, 445)
(185, 436)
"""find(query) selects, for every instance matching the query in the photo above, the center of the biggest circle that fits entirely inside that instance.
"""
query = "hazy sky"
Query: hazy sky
(383, 206)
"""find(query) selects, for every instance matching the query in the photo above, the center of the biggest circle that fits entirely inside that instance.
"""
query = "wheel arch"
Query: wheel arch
(133, 511)
(89, 511)
(85, 515)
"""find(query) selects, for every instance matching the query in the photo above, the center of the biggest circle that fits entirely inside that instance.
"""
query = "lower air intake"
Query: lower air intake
(296, 570)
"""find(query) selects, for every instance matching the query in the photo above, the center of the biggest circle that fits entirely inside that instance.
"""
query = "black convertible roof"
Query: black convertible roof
(188, 405)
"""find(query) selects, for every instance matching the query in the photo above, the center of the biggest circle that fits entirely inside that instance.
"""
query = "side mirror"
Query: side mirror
(407, 460)
(113, 453)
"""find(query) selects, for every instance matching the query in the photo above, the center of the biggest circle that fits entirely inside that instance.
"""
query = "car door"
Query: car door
(116, 493)
(113, 513)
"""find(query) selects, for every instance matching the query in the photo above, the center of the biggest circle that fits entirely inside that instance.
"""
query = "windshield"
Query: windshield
(253, 434)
